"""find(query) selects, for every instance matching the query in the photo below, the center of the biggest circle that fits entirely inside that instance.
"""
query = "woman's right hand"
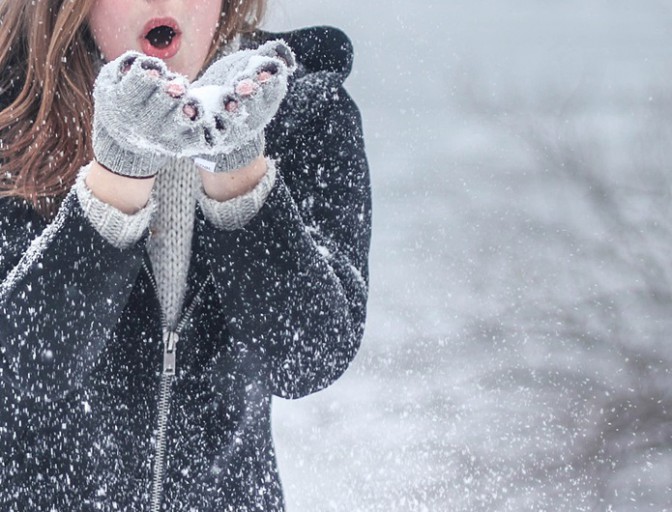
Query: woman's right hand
(142, 115)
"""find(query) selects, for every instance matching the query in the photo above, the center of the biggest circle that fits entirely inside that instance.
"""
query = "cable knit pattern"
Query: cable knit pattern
(237, 212)
(172, 229)
(120, 229)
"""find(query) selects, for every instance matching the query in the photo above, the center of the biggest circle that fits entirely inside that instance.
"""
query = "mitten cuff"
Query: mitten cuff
(236, 212)
(238, 158)
(122, 161)
(118, 228)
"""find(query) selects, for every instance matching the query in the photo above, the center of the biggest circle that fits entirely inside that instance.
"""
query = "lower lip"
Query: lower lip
(161, 53)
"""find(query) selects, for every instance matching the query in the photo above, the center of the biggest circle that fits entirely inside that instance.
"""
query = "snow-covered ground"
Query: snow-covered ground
(517, 354)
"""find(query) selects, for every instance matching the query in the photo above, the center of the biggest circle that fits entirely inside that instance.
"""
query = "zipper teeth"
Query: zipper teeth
(195, 302)
(154, 286)
(164, 398)
(160, 453)
(187, 314)
(162, 422)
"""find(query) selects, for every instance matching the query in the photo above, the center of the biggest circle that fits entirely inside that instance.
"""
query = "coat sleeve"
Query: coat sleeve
(62, 292)
(293, 282)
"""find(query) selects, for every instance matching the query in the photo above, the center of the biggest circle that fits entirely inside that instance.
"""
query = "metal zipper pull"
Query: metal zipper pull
(170, 339)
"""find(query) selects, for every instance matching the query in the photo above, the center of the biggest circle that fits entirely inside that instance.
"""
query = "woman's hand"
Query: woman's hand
(241, 93)
(142, 116)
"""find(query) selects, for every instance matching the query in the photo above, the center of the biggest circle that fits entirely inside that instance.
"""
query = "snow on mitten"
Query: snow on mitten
(141, 116)
(239, 95)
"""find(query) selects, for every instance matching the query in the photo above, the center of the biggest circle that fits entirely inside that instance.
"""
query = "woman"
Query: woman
(173, 252)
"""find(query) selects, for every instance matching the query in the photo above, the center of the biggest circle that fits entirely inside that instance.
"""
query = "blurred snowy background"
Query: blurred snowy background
(518, 350)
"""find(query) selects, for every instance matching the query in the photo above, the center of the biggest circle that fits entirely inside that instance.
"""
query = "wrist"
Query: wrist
(224, 186)
(125, 193)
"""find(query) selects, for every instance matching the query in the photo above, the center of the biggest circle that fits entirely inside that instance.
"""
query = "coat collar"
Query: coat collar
(317, 49)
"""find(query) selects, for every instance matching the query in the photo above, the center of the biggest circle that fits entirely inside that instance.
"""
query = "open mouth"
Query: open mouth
(161, 38)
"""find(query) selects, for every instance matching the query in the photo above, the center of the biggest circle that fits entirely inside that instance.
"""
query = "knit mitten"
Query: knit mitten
(239, 95)
(142, 115)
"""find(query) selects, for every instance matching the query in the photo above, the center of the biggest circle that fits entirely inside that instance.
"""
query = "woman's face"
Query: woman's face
(178, 31)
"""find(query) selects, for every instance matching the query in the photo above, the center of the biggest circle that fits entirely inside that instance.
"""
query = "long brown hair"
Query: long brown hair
(47, 63)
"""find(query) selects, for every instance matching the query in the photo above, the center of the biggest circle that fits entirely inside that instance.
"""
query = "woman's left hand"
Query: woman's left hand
(240, 93)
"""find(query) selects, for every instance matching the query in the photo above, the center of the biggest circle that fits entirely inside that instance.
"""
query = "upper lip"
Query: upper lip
(160, 22)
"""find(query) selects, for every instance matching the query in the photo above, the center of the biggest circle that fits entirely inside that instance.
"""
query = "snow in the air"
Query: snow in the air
(517, 352)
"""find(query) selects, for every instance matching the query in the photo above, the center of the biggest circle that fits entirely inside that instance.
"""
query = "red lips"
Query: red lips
(161, 38)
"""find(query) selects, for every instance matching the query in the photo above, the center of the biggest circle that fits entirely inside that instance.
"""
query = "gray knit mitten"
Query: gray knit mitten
(142, 115)
(239, 95)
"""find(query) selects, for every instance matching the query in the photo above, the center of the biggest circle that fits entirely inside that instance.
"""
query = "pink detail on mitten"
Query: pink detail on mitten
(264, 76)
(176, 90)
(246, 87)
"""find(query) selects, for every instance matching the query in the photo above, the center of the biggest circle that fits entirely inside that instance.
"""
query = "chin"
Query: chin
(186, 66)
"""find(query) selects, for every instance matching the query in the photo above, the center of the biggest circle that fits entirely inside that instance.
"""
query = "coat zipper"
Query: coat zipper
(170, 340)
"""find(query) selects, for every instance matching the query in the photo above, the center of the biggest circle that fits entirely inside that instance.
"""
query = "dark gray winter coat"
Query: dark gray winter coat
(281, 313)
